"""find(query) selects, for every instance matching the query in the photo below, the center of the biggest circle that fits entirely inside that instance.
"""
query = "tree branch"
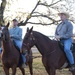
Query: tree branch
(37, 14)
(44, 23)
(29, 16)
(44, 16)
(40, 23)
(50, 4)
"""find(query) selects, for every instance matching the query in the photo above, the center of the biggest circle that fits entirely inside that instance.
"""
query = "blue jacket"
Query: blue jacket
(16, 33)
(64, 29)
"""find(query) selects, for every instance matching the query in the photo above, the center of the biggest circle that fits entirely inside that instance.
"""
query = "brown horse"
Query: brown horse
(52, 56)
(10, 55)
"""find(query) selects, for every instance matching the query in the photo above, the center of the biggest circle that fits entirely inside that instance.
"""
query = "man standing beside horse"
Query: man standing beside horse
(16, 35)
(64, 33)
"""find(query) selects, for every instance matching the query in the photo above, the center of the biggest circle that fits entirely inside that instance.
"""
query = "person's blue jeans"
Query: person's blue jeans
(0, 50)
(67, 46)
(19, 44)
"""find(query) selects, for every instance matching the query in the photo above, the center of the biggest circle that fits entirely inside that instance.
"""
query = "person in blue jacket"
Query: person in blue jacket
(64, 32)
(16, 35)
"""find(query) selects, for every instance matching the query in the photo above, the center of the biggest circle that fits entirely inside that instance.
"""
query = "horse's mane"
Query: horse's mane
(41, 35)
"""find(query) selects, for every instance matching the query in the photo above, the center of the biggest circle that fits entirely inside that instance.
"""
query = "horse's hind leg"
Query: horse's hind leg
(22, 70)
(6, 70)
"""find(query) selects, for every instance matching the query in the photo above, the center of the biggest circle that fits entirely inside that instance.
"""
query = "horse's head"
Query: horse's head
(29, 41)
(4, 33)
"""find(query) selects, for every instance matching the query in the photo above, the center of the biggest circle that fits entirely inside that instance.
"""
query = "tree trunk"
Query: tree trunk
(2, 7)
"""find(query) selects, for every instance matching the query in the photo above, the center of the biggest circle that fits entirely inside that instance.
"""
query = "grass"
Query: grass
(38, 68)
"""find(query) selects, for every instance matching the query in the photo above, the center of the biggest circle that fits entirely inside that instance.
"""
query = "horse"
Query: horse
(53, 57)
(11, 57)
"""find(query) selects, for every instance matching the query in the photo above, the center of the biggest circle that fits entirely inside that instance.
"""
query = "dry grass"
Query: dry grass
(38, 68)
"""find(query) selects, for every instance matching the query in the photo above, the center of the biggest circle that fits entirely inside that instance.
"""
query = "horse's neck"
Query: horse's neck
(39, 48)
(7, 45)
(43, 45)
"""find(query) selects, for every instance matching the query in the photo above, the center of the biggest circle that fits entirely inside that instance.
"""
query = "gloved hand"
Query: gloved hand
(57, 37)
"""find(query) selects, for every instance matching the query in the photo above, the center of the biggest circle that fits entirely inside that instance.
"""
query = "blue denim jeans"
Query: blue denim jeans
(67, 45)
(19, 44)
(0, 50)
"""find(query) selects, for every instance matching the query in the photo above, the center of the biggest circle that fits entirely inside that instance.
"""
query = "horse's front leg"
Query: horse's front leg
(46, 65)
(14, 70)
(52, 71)
(22, 70)
(6, 70)
(30, 68)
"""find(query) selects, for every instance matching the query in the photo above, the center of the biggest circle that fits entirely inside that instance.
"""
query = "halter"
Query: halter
(28, 44)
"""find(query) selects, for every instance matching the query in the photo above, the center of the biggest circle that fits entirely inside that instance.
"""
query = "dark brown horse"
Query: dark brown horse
(52, 56)
(10, 55)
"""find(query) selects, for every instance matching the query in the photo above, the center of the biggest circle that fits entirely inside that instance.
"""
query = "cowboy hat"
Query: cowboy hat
(64, 13)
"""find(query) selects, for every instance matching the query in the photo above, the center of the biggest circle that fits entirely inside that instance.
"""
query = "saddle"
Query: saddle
(62, 46)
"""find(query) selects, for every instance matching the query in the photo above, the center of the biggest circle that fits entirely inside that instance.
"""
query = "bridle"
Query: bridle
(28, 44)
(32, 38)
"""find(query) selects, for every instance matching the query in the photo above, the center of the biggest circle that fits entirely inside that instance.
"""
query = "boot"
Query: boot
(72, 67)
(23, 65)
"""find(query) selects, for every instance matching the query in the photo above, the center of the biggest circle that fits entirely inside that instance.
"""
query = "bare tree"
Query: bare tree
(44, 18)
(55, 5)
(37, 14)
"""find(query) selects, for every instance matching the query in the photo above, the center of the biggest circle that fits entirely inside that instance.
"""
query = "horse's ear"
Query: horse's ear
(7, 24)
(27, 29)
(31, 29)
